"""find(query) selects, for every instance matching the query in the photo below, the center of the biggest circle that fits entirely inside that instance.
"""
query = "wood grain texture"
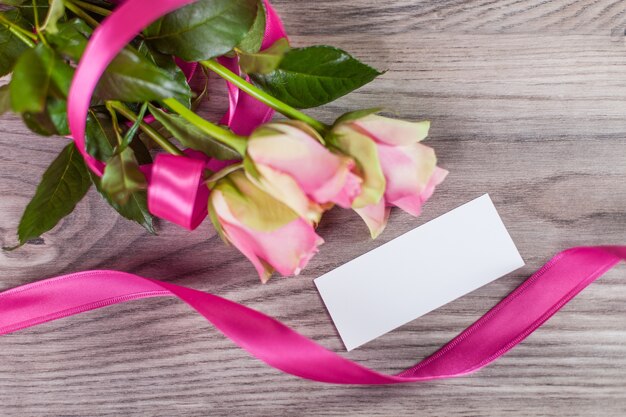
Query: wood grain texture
(527, 101)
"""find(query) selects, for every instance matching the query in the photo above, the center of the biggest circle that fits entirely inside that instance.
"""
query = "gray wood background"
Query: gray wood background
(527, 102)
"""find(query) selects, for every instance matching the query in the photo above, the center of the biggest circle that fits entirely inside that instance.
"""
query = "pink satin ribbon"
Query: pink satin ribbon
(281, 347)
(245, 113)
(169, 176)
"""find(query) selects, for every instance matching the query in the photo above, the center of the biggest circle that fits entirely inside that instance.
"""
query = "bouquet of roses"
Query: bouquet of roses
(269, 182)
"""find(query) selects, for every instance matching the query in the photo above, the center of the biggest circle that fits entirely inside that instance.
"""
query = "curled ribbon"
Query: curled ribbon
(281, 347)
(245, 113)
(175, 188)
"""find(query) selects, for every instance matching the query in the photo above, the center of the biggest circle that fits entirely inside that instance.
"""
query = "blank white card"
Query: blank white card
(418, 272)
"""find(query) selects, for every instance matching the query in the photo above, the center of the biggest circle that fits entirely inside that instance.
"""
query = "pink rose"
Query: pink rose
(289, 161)
(269, 233)
(396, 169)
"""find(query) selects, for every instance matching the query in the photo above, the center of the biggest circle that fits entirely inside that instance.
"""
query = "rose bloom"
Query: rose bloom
(397, 170)
(289, 161)
(269, 233)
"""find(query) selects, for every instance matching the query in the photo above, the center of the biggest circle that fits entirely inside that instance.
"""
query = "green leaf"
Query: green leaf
(12, 2)
(204, 29)
(133, 78)
(100, 141)
(63, 185)
(52, 121)
(130, 77)
(62, 76)
(38, 89)
(135, 209)
(55, 13)
(251, 43)
(71, 38)
(142, 154)
(39, 123)
(100, 138)
(122, 177)
(5, 99)
(316, 75)
(266, 61)
(28, 7)
(192, 137)
(132, 131)
(11, 47)
(38, 74)
(166, 63)
(57, 111)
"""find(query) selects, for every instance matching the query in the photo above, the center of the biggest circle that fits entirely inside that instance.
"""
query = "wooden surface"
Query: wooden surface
(527, 101)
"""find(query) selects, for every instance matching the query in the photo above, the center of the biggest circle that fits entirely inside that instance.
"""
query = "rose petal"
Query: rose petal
(350, 191)
(412, 204)
(342, 188)
(364, 151)
(284, 188)
(375, 217)
(407, 169)
(392, 131)
(287, 249)
(321, 174)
